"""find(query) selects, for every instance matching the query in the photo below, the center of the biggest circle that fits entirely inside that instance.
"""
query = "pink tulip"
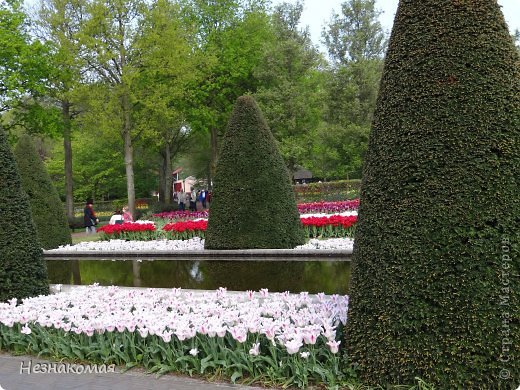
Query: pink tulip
(334, 345)
(293, 346)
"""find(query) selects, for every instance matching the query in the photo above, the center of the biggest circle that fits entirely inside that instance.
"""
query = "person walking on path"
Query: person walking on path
(203, 194)
(181, 198)
(89, 217)
(193, 200)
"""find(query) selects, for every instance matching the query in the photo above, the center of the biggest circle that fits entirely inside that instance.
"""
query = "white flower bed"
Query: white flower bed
(195, 244)
(289, 320)
(329, 244)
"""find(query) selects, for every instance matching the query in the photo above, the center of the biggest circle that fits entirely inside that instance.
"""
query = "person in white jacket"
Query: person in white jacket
(117, 218)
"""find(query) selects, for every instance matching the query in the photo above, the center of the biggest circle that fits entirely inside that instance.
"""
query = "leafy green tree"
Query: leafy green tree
(58, 24)
(46, 207)
(253, 204)
(356, 34)
(98, 172)
(337, 151)
(434, 280)
(356, 43)
(108, 36)
(167, 69)
(22, 269)
(231, 36)
(22, 60)
(98, 151)
(290, 91)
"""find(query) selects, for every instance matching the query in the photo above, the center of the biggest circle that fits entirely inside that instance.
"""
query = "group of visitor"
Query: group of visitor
(196, 200)
(121, 216)
(91, 220)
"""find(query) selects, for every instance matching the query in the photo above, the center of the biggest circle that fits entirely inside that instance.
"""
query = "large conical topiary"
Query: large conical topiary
(22, 269)
(47, 209)
(434, 290)
(253, 204)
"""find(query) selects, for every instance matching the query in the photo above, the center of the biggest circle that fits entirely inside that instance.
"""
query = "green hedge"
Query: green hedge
(46, 207)
(22, 269)
(253, 204)
(435, 287)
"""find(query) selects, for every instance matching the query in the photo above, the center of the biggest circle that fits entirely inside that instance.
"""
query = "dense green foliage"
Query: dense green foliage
(435, 271)
(185, 63)
(47, 210)
(22, 270)
(181, 94)
(22, 60)
(253, 204)
(355, 42)
(290, 92)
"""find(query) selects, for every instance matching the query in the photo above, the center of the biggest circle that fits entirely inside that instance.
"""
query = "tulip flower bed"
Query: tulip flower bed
(277, 338)
(129, 231)
(185, 230)
(181, 215)
(303, 208)
(328, 207)
(332, 226)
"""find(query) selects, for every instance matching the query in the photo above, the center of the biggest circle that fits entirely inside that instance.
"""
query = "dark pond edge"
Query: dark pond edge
(206, 255)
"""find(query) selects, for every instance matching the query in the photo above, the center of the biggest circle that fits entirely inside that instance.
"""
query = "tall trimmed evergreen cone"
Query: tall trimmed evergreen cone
(253, 205)
(22, 269)
(47, 209)
(435, 288)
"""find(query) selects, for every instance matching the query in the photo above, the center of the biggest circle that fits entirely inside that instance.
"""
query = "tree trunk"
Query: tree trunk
(129, 152)
(67, 146)
(162, 180)
(167, 174)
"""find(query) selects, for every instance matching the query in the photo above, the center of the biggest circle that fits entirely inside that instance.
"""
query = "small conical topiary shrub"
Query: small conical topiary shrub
(46, 207)
(22, 268)
(435, 290)
(253, 204)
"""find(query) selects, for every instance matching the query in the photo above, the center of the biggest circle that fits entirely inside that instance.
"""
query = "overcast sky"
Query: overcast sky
(317, 12)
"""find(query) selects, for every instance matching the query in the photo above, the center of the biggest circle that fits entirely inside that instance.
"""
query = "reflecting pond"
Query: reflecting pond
(330, 277)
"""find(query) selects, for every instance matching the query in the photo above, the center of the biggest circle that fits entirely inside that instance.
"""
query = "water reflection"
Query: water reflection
(64, 271)
(330, 277)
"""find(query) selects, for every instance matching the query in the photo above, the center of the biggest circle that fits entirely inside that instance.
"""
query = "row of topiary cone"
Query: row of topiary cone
(435, 280)
(32, 218)
(253, 205)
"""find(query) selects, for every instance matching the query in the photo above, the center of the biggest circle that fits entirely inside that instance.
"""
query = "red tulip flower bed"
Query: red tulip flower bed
(128, 231)
(184, 230)
(334, 226)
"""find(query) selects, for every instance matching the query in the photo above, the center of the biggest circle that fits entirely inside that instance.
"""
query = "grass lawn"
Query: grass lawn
(82, 237)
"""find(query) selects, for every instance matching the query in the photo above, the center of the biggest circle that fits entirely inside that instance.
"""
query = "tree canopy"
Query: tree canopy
(163, 77)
